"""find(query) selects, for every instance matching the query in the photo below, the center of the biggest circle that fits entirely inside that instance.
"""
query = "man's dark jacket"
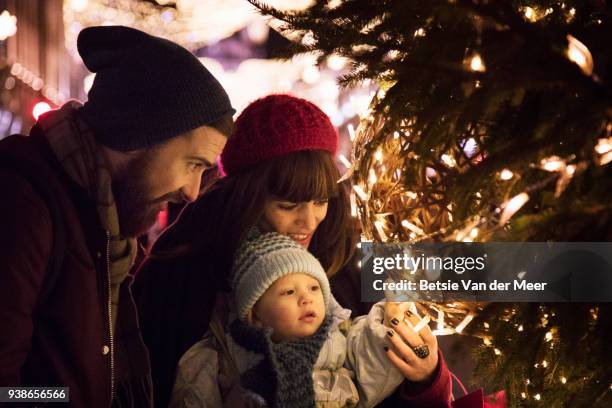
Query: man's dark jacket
(66, 340)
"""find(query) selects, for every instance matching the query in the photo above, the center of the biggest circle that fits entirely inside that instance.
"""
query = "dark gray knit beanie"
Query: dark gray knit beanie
(147, 89)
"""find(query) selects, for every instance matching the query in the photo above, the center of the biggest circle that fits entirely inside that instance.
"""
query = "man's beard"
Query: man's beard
(136, 208)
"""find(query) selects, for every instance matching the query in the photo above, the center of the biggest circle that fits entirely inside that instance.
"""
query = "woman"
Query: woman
(280, 176)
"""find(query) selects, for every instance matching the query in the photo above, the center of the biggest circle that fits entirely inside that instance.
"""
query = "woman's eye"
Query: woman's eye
(195, 166)
(321, 202)
(287, 206)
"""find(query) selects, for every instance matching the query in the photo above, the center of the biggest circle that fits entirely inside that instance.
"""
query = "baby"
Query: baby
(291, 344)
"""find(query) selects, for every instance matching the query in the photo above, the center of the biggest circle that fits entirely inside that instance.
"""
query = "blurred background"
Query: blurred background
(40, 67)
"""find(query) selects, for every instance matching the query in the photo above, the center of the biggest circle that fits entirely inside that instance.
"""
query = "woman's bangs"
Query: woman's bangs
(304, 176)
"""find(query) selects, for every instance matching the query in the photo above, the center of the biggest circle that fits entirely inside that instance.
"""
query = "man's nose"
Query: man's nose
(191, 190)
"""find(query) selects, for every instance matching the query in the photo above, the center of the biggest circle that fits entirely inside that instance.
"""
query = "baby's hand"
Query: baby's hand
(395, 310)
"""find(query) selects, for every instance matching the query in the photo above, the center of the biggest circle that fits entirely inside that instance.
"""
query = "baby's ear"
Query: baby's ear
(252, 319)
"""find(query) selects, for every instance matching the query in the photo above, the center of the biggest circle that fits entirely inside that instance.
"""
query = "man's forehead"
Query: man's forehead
(206, 142)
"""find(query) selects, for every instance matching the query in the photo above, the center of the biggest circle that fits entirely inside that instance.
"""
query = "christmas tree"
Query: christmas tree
(493, 122)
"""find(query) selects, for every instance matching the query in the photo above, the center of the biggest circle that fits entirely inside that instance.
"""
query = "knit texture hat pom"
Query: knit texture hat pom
(263, 260)
(147, 89)
(274, 126)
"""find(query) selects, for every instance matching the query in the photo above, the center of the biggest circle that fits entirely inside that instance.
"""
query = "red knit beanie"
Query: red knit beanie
(274, 126)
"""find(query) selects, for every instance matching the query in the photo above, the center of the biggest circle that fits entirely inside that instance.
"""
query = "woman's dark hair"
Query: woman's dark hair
(221, 218)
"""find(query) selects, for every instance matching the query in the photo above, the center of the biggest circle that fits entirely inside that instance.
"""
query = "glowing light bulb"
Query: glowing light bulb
(8, 25)
(474, 233)
(477, 64)
(378, 155)
(506, 174)
(579, 54)
(344, 161)
(512, 206)
(604, 145)
(360, 192)
(311, 74)
(410, 226)
(372, 178)
(448, 160)
(552, 163)
(351, 131)
(39, 109)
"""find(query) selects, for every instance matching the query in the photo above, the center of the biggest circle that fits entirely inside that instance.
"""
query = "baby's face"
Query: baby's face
(292, 307)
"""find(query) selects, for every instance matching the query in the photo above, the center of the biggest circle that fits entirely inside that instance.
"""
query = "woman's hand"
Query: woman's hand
(414, 353)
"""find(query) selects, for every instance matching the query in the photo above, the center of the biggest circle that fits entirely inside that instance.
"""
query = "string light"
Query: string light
(477, 64)
(512, 206)
(604, 145)
(79, 6)
(344, 161)
(351, 131)
(362, 194)
(354, 209)
(37, 84)
(530, 14)
(336, 62)
(466, 320)
(378, 155)
(381, 230)
(552, 163)
(506, 174)
(448, 160)
(8, 25)
(578, 53)
(410, 226)
(372, 178)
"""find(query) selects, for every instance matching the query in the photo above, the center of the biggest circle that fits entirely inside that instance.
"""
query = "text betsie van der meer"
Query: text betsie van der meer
(459, 265)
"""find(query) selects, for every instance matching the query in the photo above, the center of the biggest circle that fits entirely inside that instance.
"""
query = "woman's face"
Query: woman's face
(298, 221)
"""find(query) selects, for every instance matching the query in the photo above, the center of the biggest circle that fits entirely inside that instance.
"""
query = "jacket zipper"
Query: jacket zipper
(110, 318)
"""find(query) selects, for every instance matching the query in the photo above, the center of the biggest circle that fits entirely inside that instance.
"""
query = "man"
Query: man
(155, 119)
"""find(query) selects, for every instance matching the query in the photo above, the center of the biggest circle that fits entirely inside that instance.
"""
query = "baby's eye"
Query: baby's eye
(288, 292)
(314, 288)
